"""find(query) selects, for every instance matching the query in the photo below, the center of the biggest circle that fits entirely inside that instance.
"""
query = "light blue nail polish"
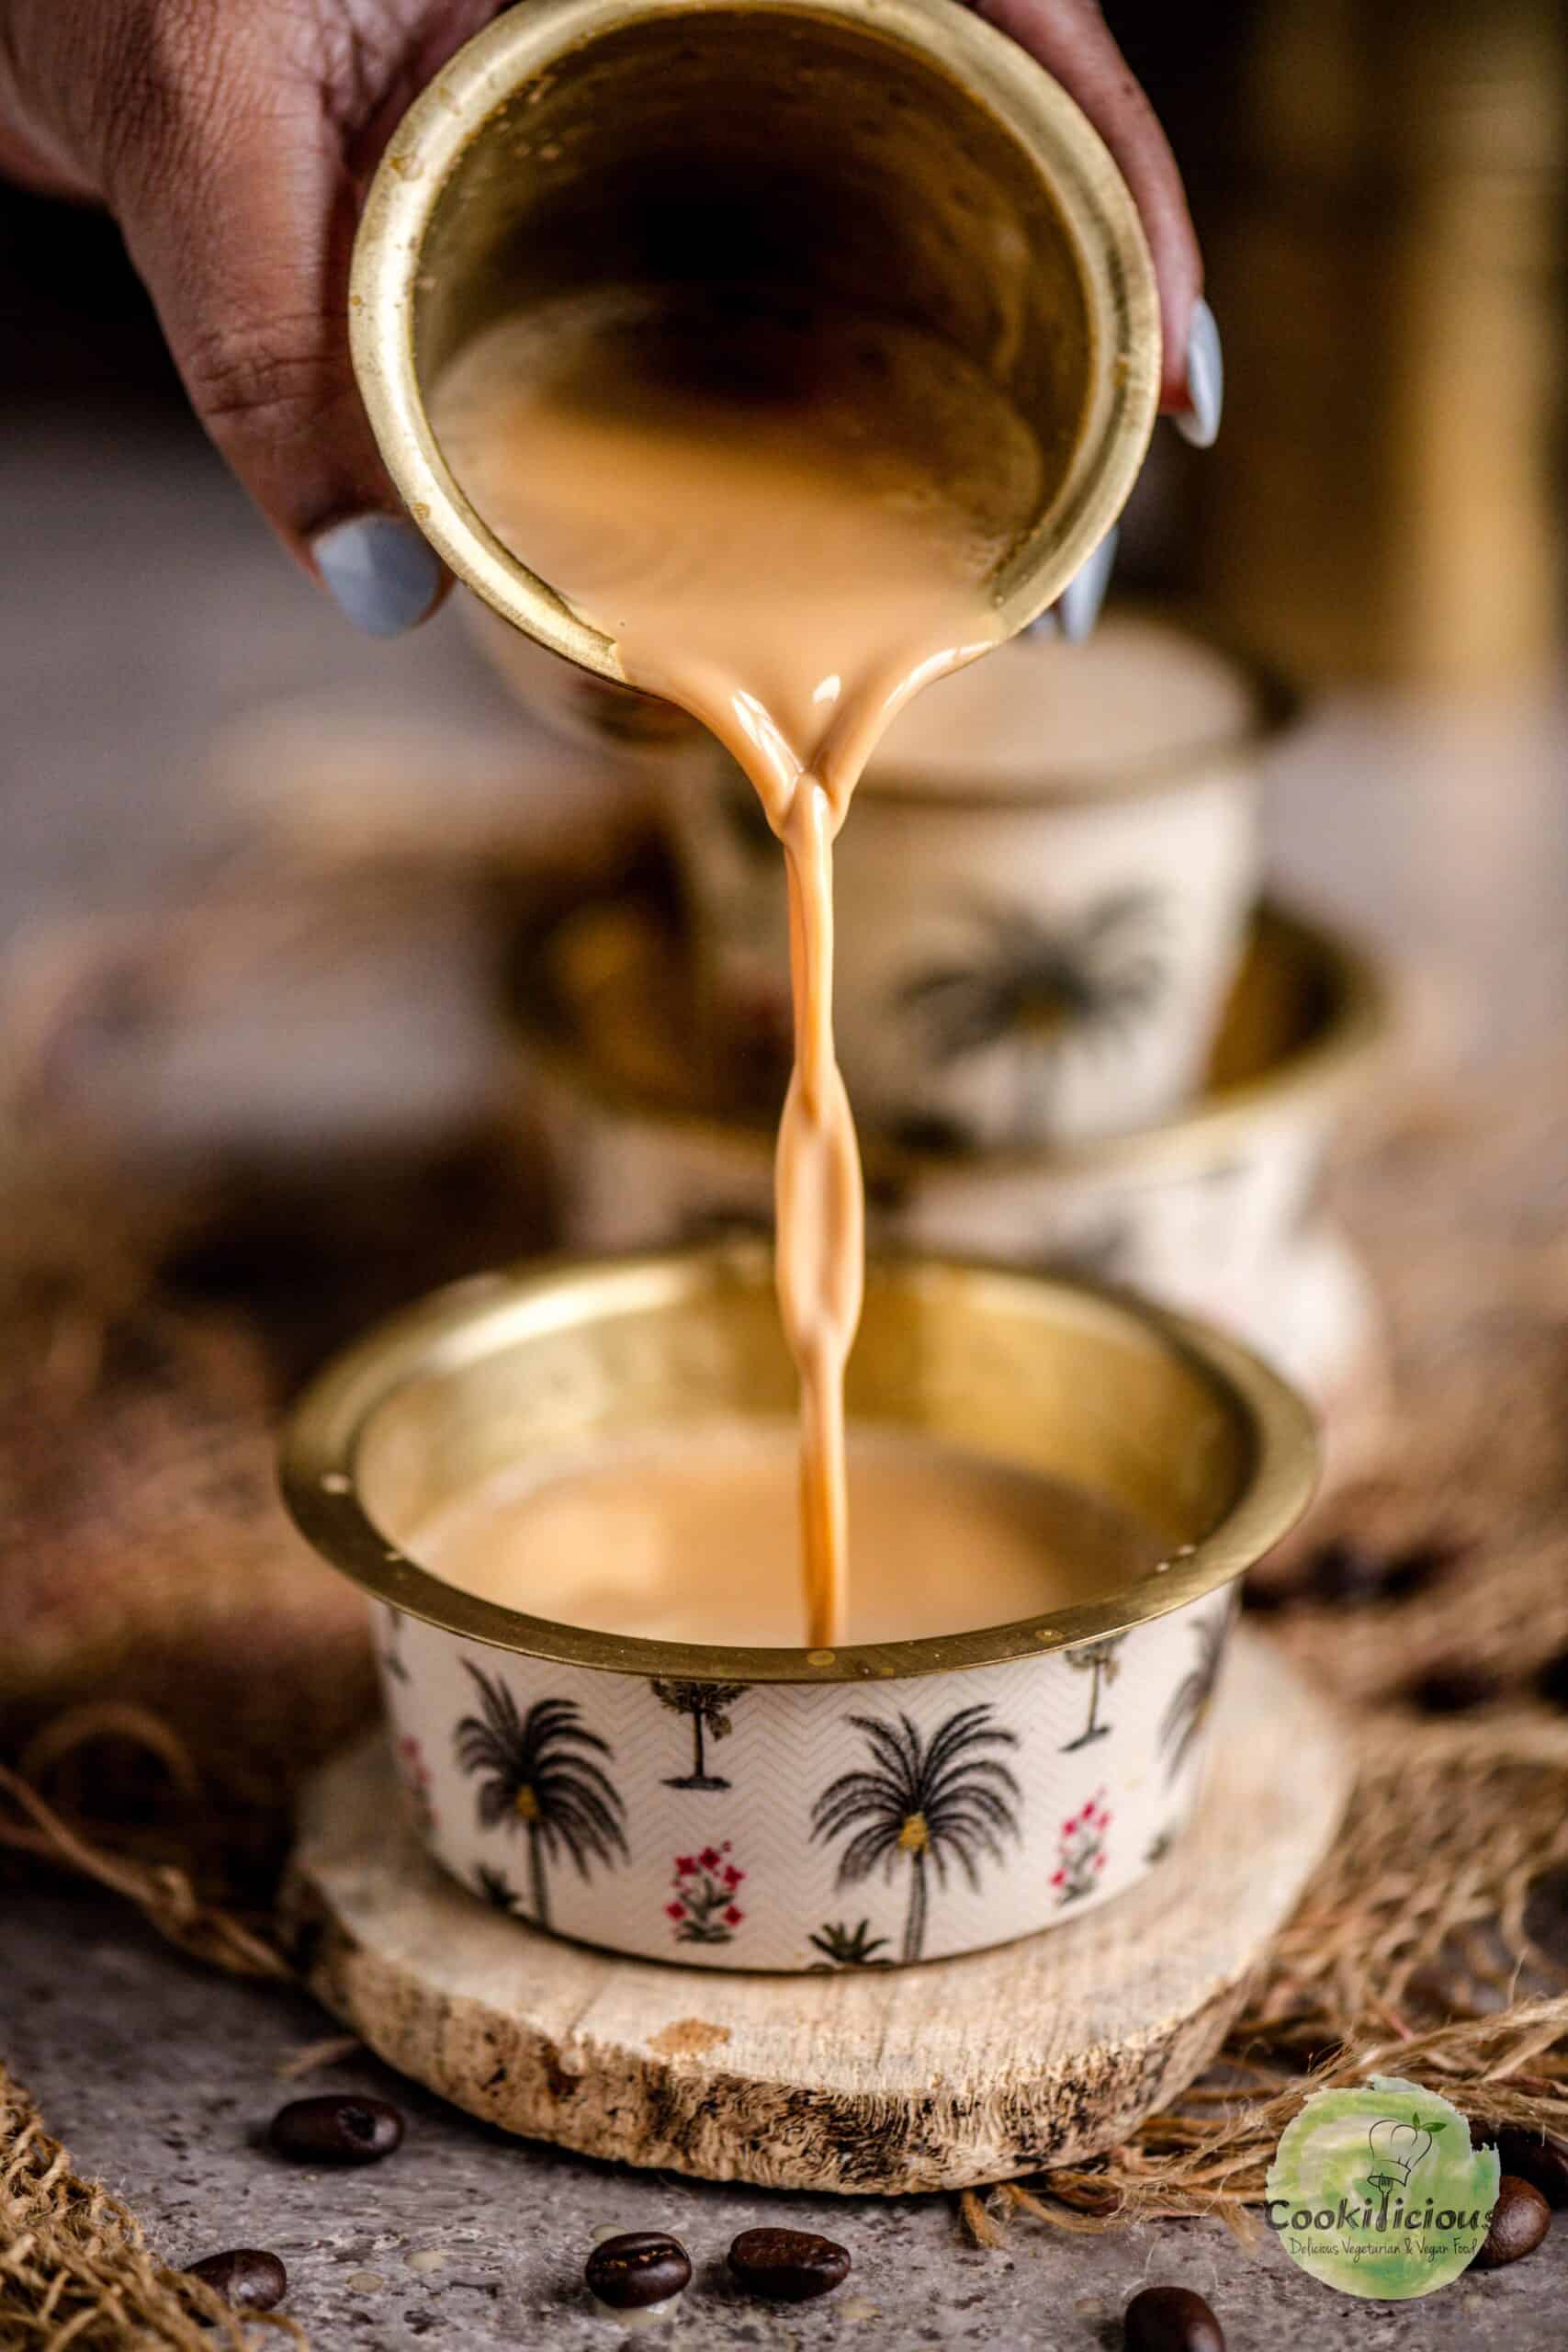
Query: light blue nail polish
(1200, 421)
(379, 572)
(1078, 607)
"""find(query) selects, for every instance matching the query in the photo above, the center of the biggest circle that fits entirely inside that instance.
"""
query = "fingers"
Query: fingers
(1072, 40)
(239, 213)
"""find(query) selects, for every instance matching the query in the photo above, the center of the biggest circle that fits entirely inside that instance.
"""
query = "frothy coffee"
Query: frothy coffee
(787, 518)
(690, 1537)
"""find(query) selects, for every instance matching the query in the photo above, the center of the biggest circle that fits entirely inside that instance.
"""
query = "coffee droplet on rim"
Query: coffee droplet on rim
(787, 2265)
(246, 2276)
(637, 2271)
(337, 2128)
(1520, 2219)
(1171, 2319)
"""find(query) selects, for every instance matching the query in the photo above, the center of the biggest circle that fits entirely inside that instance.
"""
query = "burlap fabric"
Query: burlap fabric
(1431, 1942)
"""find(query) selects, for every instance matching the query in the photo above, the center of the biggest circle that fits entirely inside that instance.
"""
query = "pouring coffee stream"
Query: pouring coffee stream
(775, 361)
(808, 505)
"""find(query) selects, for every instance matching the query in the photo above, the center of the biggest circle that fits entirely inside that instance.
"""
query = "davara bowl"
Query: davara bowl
(628, 1793)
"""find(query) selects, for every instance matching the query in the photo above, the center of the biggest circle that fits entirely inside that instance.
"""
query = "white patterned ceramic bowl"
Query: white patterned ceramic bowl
(1042, 891)
(1213, 1212)
(793, 1809)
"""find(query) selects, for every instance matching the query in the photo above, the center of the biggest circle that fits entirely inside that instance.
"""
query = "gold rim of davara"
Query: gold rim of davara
(519, 55)
(1335, 1053)
(492, 1314)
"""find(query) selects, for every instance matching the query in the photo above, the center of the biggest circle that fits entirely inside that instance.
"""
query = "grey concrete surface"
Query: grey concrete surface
(161, 2078)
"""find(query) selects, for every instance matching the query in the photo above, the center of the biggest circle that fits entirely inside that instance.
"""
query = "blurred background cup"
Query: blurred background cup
(1042, 899)
(1216, 1209)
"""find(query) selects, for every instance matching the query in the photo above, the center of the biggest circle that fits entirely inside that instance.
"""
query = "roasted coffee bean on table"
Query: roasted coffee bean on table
(1540, 2160)
(246, 2276)
(1266, 1596)
(787, 2265)
(1453, 1690)
(1345, 1574)
(1418, 1568)
(337, 2128)
(1519, 2221)
(639, 2269)
(1552, 1682)
(1171, 2319)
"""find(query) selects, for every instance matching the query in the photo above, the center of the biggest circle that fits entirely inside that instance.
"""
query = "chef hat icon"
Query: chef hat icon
(1399, 2147)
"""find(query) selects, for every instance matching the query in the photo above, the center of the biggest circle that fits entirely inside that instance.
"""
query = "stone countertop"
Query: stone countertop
(1441, 829)
(161, 2078)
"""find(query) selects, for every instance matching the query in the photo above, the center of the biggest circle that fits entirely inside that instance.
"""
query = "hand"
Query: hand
(232, 141)
(1072, 41)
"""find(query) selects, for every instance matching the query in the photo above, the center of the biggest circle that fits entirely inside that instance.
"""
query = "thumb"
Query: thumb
(242, 229)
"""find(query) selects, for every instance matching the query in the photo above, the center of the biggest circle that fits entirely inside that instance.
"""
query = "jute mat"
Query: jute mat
(1433, 1595)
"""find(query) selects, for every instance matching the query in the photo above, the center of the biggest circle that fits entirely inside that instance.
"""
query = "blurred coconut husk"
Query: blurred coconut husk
(162, 1292)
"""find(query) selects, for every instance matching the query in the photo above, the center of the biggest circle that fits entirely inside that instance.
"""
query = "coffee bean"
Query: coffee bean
(1267, 1595)
(787, 2265)
(1542, 2160)
(1552, 1682)
(1420, 1568)
(1171, 2319)
(245, 2277)
(1343, 1574)
(639, 2268)
(1453, 1690)
(1519, 2221)
(337, 2130)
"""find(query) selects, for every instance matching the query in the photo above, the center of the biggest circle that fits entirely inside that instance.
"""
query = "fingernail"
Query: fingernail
(1078, 607)
(1199, 421)
(378, 571)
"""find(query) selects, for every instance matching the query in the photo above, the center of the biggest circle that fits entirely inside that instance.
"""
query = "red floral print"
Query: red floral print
(704, 1909)
(1081, 1850)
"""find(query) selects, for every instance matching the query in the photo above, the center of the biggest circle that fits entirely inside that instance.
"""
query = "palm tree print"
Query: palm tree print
(392, 1650)
(1194, 1695)
(534, 1776)
(845, 1947)
(925, 1803)
(1100, 1662)
(1043, 990)
(497, 1890)
(708, 1705)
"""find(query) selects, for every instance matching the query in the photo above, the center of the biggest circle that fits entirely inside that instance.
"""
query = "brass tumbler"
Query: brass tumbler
(897, 155)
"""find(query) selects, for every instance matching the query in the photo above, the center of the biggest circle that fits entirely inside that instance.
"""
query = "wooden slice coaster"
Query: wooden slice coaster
(864, 2080)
